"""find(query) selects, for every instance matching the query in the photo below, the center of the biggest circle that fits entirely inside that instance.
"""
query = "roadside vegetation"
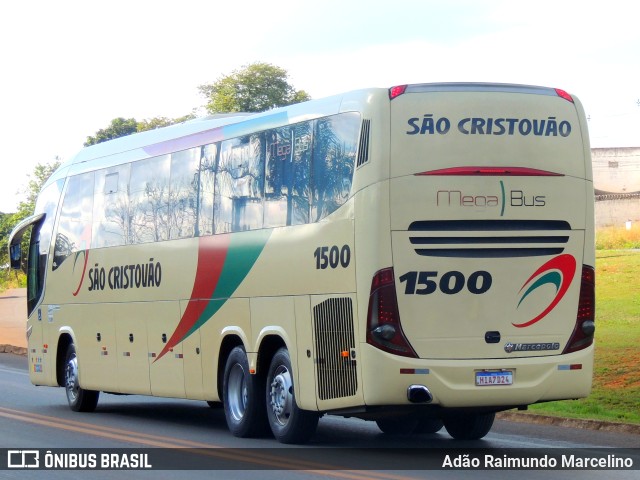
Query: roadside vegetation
(616, 384)
(614, 238)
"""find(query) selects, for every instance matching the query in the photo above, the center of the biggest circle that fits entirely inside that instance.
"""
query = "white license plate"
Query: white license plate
(492, 379)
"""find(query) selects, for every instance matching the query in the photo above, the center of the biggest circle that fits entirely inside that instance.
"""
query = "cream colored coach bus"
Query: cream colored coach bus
(416, 256)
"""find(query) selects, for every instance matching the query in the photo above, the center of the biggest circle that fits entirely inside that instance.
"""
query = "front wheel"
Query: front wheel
(80, 400)
(288, 423)
(469, 426)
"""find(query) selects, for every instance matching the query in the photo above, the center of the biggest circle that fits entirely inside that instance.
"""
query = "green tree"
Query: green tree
(254, 88)
(159, 122)
(40, 174)
(119, 127)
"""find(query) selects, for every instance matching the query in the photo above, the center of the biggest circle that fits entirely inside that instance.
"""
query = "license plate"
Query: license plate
(492, 379)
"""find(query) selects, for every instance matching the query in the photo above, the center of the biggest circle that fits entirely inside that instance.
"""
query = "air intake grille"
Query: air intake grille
(489, 238)
(363, 147)
(335, 344)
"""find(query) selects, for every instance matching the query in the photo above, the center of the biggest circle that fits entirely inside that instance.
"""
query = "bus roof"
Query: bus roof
(203, 131)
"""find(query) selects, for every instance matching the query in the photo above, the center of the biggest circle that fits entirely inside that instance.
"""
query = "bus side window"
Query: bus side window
(183, 192)
(335, 143)
(75, 225)
(149, 199)
(287, 175)
(278, 167)
(207, 175)
(111, 213)
(239, 184)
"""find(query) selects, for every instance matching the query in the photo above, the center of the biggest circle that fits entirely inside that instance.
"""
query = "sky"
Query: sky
(67, 68)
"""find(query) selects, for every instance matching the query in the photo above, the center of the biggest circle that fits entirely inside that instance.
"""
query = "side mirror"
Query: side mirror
(15, 252)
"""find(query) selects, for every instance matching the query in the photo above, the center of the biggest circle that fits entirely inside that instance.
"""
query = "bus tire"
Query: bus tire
(288, 423)
(80, 400)
(469, 426)
(397, 425)
(428, 426)
(244, 408)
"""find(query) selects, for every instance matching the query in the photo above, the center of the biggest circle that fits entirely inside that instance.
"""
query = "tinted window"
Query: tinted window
(74, 229)
(111, 208)
(183, 193)
(208, 163)
(239, 184)
(287, 175)
(40, 242)
(335, 144)
(149, 199)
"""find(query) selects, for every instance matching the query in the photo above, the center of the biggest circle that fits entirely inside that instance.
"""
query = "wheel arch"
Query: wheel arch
(269, 345)
(229, 342)
(64, 340)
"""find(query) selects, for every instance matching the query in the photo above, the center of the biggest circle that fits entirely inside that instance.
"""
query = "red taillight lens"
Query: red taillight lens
(565, 95)
(396, 91)
(383, 320)
(585, 327)
(491, 171)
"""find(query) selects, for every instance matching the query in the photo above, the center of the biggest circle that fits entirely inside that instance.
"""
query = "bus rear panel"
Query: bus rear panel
(489, 300)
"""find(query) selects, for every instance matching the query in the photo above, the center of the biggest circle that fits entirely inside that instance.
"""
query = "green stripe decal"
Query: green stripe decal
(244, 250)
(224, 261)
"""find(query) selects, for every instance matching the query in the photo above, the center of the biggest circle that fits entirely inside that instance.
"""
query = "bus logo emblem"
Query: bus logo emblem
(559, 272)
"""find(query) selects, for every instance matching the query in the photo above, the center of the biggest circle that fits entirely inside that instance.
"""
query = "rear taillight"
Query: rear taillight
(397, 91)
(565, 95)
(383, 320)
(585, 327)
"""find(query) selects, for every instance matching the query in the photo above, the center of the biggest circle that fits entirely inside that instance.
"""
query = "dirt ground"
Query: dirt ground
(13, 317)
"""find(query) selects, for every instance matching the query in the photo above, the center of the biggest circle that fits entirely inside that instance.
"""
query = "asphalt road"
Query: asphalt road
(38, 418)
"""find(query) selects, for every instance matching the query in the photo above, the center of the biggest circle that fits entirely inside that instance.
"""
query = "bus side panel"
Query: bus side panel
(233, 319)
(306, 392)
(132, 348)
(192, 363)
(41, 359)
(166, 371)
(93, 328)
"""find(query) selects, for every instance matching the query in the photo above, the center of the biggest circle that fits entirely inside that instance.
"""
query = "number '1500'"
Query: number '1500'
(450, 283)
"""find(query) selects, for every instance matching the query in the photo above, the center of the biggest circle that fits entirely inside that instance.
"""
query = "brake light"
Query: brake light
(582, 335)
(396, 91)
(383, 320)
(565, 95)
(492, 171)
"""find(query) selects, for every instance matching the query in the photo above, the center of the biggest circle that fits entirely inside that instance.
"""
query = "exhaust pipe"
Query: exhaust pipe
(419, 394)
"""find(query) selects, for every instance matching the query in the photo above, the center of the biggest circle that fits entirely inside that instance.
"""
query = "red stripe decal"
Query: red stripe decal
(212, 252)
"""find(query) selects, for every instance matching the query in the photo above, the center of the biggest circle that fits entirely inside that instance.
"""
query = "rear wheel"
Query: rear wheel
(469, 426)
(242, 397)
(397, 425)
(428, 425)
(288, 423)
(80, 400)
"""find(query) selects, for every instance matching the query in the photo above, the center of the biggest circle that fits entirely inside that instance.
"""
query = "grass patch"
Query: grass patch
(612, 238)
(616, 384)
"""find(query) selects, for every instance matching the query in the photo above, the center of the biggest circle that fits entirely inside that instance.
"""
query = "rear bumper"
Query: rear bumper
(452, 382)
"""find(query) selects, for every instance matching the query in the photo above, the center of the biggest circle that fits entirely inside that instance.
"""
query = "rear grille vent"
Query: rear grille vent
(363, 147)
(490, 238)
(335, 346)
